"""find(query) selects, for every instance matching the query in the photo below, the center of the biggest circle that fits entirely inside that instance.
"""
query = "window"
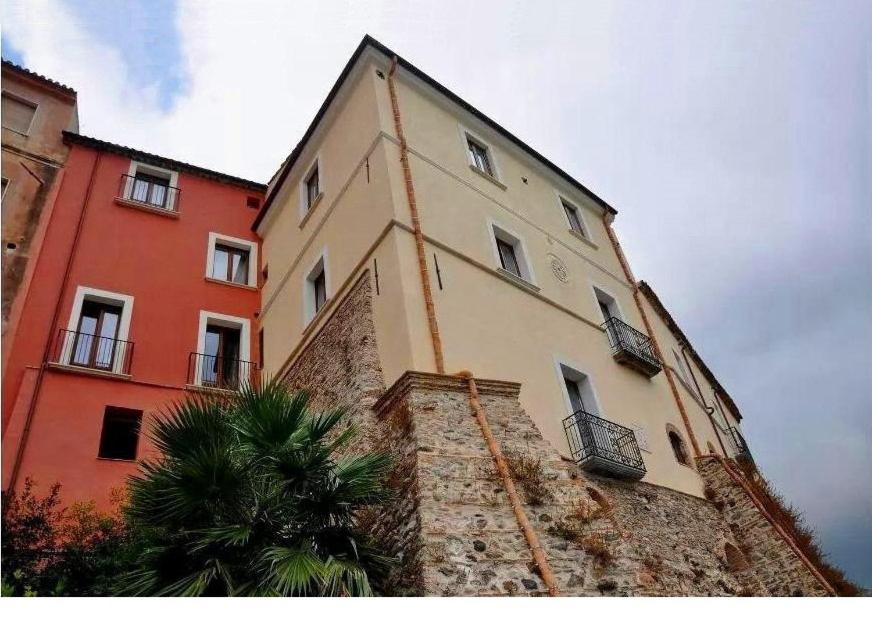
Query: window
(479, 156)
(5, 186)
(230, 259)
(573, 216)
(252, 202)
(221, 360)
(96, 334)
(682, 369)
(607, 305)
(578, 390)
(17, 113)
(230, 264)
(678, 449)
(510, 253)
(312, 189)
(260, 349)
(508, 260)
(120, 435)
(316, 289)
(151, 186)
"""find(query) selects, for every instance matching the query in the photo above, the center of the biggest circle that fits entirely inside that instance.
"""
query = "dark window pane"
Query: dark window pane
(574, 395)
(574, 220)
(507, 257)
(480, 157)
(604, 308)
(320, 286)
(312, 189)
(120, 434)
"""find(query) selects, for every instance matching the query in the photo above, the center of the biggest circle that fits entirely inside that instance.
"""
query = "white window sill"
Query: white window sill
(311, 208)
(144, 206)
(246, 287)
(316, 317)
(94, 372)
(485, 175)
(517, 281)
(581, 237)
(193, 387)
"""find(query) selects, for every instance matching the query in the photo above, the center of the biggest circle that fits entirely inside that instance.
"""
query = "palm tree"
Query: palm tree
(251, 496)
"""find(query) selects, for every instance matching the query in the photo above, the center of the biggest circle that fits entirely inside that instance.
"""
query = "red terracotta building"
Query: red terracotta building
(145, 289)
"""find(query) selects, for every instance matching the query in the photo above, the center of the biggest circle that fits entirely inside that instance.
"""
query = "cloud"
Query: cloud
(734, 139)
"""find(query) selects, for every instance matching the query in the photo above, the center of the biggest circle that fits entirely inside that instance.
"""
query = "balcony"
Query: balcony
(602, 446)
(219, 373)
(150, 193)
(739, 445)
(632, 348)
(90, 352)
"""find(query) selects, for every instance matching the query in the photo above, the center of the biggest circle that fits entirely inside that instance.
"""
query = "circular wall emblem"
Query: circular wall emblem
(558, 268)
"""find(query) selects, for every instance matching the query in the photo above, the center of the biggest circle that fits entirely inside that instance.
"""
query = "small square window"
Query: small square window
(480, 156)
(230, 264)
(120, 435)
(574, 218)
(252, 202)
(17, 113)
(313, 189)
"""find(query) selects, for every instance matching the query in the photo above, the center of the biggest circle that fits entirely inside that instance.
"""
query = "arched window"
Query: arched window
(678, 448)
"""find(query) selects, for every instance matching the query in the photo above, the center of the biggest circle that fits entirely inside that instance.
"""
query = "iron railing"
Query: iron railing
(93, 351)
(626, 340)
(739, 444)
(220, 372)
(601, 444)
(150, 193)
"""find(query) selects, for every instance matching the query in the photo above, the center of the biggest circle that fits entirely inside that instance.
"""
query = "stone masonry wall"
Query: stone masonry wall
(779, 569)
(453, 528)
(340, 367)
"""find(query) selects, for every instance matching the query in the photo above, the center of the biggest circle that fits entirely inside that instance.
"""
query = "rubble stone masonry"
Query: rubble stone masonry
(451, 524)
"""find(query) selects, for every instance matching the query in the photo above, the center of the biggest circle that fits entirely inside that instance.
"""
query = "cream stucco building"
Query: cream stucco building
(522, 271)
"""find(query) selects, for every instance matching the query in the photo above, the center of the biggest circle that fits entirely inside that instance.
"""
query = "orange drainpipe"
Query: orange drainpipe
(670, 379)
(514, 500)
(416, 224)
(738, 479)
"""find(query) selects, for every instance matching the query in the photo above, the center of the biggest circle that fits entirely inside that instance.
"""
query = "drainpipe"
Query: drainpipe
(666, 369)
(37, 388)
(512, 493)
(435, 337)
(708, 409)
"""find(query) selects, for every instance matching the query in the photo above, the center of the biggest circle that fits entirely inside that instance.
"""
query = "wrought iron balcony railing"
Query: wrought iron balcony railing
(600, 445)
(631, 347)
(219, 372)
(150, 192)
(740, 446)
(93, 351)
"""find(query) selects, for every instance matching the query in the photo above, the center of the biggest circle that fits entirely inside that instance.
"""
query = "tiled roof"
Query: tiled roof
(163, 162)
(8, 64)
(679, 335)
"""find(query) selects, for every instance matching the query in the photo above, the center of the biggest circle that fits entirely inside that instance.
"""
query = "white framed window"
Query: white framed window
(606, 304)
(574, 218)
(97, 331)
(510, 253)
(681, 367)
(311, 187)
(480, 155)
(151, 186)
(578, 393)
(223, 354)
(18, 113)
(230, 259)
(316, 288)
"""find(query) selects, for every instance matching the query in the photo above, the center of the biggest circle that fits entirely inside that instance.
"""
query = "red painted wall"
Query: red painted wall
(161, 263)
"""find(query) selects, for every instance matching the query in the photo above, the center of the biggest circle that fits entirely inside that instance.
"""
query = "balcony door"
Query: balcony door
(96, 336)
(220, 363)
